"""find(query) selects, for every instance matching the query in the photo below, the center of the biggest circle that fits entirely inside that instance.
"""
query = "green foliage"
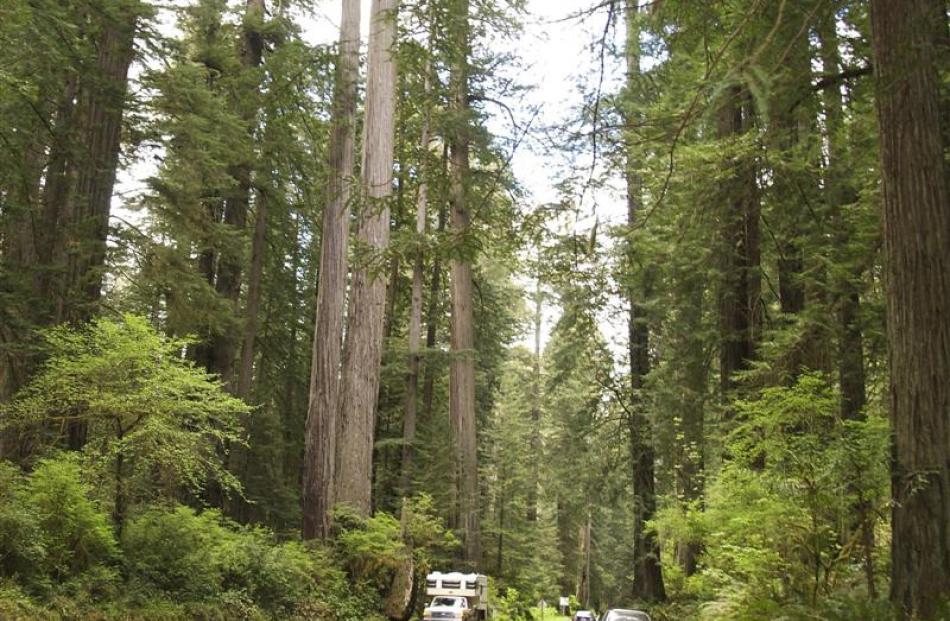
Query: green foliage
(51, 532)
(155, 423)
(371, 548)
(21, 546)
(191, 556)
(173, 550)
(77, 535)
(779, 526)
(514, 605)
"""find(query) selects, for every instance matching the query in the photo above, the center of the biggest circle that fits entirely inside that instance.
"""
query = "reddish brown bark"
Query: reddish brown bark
(364, 341)
(462, 366)
(647, 571)
(910, 50)
(320, 445)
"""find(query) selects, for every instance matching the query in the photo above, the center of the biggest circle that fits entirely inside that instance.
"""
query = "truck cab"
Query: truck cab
(447, 607)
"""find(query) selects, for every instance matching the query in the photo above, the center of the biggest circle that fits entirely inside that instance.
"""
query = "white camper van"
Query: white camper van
(455, 596)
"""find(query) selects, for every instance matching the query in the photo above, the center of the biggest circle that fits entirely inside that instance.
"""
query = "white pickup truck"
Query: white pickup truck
(449, 608)
(456, 597)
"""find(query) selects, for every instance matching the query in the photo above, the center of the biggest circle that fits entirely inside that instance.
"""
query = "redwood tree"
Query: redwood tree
(462, 369)
(910, 45)
(647, 571)
(364, 339)
(320, 446)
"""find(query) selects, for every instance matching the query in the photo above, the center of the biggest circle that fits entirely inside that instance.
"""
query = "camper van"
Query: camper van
(456, 596)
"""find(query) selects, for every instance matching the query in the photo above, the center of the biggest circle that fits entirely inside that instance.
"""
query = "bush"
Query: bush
(173, 550)
(22, 551)
(513, 606)
(781, 520)
(275, 575)
(207, 557)
(372, 548)
(50, 531)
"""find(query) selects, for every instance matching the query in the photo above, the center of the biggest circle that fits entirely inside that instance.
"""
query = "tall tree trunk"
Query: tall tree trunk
(911, 51)
(647, 571)
(324, 401)
(789, 129)
(839, 195)
(584, 591)
(691, 353)
(462, 369)
(252, 313)
(54, 211)
(364, 341)
(231, 260)
(101, 105)
(415, 312)
(739, 291)
(432, 324)
(251, 57)
(18, 267)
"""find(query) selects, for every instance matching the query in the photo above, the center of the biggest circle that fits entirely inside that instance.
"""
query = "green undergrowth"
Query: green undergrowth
(62, 558)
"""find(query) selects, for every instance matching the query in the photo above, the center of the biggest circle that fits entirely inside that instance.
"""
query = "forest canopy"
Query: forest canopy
(634, 304)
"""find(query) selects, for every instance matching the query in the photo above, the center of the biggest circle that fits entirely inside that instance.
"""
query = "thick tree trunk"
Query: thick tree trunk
(55, 209)
(18, 267)
(647, 571)
(252, 56)
(462, 369)
(364, 341)
(324, 401)
(739, 316)
(101, 105)
(910, 52)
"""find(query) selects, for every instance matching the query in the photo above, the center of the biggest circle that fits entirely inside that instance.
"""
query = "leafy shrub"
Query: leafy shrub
(173, 550)
(205, 556)
(22, 551)
(782, 517)
(15, 605)
(77, 535)
(275, 575)
(371, 548)
(513, 605)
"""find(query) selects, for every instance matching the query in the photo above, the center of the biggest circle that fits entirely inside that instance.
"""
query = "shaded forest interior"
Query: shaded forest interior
(285, 322)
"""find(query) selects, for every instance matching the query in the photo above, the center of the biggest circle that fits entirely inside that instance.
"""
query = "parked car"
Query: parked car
(622, 614)
(584, 615)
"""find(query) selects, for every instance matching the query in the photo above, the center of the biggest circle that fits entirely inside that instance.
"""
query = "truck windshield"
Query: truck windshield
(445, 601)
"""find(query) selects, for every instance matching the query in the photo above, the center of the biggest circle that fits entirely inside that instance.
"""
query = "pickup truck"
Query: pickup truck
(448, 607)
